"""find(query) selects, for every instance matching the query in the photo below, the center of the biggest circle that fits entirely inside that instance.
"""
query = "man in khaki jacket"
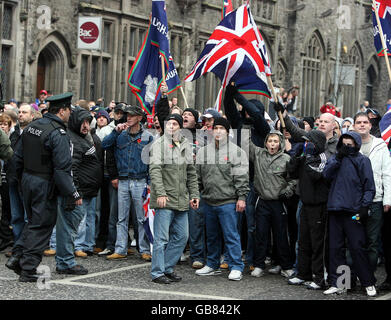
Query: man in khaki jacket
(173, 188)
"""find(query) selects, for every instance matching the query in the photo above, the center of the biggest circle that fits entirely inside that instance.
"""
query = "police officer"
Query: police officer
(43, 163)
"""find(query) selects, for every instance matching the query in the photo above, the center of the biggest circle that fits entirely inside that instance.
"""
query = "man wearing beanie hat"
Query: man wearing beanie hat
(308, 123)
(224, 200)
(102, 127)
(174, 187)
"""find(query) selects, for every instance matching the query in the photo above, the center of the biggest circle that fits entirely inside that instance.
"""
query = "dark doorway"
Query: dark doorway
(40, 74)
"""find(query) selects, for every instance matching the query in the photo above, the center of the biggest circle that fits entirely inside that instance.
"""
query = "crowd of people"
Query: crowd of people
(277, 194)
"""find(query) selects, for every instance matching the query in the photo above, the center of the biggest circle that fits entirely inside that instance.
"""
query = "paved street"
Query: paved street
(129, 280)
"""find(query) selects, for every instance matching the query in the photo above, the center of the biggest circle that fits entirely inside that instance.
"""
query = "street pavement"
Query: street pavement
(129, 279)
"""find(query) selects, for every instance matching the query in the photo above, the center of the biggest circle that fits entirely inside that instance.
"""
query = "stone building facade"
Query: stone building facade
(39, 49)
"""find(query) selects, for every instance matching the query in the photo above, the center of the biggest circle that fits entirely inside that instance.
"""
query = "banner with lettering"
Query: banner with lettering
(145, 76)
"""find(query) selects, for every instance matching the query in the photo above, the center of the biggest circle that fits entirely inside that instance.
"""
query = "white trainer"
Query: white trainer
(287, 273)
(235, 275)
(257, 272)
(333, 290)
(105, 252)
(296, 281)
(275, 270)
(371, 291)
(207, 271)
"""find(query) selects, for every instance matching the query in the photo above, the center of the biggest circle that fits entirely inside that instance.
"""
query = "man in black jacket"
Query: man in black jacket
(87, 176)
(43, 164)
(307, 166)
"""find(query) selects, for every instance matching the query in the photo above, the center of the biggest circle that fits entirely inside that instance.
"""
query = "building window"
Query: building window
(83, 76)
(352, 93)
(265, 9)
(6, 49)
(312, 66)
(371, 78)
(107, 46)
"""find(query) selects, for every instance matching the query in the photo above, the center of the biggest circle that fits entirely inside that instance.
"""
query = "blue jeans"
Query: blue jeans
(113, 219)
(66, 232)
(18, 214)
(131, 190)
(97, 213)
(197, 234)
(171, 231)
(85, 240)
(223, 219)
(52, 242)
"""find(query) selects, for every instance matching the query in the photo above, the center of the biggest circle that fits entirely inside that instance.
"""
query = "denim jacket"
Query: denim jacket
(128, 153)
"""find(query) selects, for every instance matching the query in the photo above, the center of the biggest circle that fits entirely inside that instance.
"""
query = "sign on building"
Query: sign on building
(89, 33)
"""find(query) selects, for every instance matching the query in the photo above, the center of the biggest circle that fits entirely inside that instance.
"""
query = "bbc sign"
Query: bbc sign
(89, 33)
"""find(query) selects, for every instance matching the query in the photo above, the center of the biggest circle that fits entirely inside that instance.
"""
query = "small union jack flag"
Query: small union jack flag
(385, 127)
(235, 52)
(384, 10)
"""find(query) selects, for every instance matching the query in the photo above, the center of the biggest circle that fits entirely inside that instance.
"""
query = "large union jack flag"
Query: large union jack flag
(384, 10)
(236, 52)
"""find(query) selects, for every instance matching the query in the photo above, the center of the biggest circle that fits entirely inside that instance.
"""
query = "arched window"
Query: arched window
(311, 79)
(371, 78)
(351, 94)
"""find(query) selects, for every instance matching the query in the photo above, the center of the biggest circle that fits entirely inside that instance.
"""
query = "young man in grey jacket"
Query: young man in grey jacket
(272, 185)
(222, 169)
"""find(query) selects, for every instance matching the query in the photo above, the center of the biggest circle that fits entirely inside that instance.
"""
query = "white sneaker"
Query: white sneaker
(183, 257)
(105, 252)
(257, 272)
(275, 270)
(313, 286)
(235, 275)
(207, 271)
(287, 273)
(371, 291)
(333, 290)
(296, 281)
(133, 244)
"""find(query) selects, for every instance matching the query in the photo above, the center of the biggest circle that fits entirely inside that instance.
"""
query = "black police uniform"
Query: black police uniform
(44, 161)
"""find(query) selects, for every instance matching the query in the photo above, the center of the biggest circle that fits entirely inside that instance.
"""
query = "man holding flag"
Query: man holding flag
(145, 77)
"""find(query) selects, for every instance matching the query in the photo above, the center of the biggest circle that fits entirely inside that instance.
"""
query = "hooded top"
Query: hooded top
(87, 165)
(352, 183)
(270, 171)
(77, 118)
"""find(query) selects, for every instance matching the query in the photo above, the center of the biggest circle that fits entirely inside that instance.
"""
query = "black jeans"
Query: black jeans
(312, 242)
(270, 214)
(341, 225)
(386, 240)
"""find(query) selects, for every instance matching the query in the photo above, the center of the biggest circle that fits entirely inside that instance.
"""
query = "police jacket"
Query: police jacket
(87, 165)
(51, 149)
(352, 184)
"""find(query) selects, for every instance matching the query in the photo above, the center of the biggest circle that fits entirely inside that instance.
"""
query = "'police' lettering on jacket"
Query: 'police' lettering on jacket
(34, 131)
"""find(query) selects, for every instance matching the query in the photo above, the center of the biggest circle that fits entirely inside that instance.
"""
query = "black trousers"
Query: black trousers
(41, 216)
(5, 221)
(341, 225)
(312, 233)
(270, 214)
(386, 240)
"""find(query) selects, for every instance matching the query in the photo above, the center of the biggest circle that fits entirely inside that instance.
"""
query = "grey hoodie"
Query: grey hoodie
(270, 179)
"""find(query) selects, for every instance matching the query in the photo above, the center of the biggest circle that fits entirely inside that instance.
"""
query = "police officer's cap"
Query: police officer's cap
(60, 100)
(119, 106)
(134, 110)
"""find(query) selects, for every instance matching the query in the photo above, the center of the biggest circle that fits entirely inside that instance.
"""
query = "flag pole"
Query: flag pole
(382, 38)
(184, 97)
(270, 84)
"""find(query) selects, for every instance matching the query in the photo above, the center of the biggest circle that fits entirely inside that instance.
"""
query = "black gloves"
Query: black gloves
(363, 213)
(342, 152)
(277, 106)
(232, 90)
(70, 204)
(283, 197)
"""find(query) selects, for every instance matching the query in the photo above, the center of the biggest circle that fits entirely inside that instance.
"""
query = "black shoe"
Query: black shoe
(13, 264)
(385, 286)
(5, 244)
(28, 277)
(173, 277)
(77, 270)
(162, 280)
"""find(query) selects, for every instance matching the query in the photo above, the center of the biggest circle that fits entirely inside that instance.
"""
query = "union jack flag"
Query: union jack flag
(227, 8)
(235, 52)
(385, 127)
(384, 10)
(149, 215)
